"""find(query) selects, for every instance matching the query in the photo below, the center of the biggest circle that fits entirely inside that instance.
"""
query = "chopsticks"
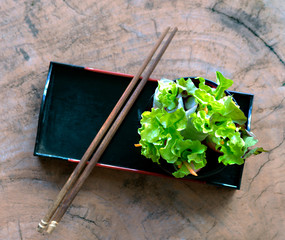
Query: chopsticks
(82, 164)
(74, 183)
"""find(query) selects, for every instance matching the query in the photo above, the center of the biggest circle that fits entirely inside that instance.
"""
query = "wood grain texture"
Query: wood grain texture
(243, 39)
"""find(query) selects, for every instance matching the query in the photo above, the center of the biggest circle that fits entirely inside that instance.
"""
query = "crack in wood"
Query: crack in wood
(263, 191)
(155, 27)
(83, 218)
(24, 53)
(212, 227)
(129, 29)
(239, 22)
(275, 235)
(73, 8)
(269, 159)
(31, 26)
(20, 230)
(181, 214)
(274, 109)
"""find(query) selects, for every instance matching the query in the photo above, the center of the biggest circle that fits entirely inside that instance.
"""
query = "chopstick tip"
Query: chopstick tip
(42, 226)
(52, 226)
(175, 29)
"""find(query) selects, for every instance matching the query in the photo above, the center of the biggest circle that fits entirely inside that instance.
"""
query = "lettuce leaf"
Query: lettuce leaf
(192, 152)
(177, 119)
(157, 127)
(203, 86)
(167, 93)
(225, 106)
(181, 172)
(232, 110)
(186, 85)
(190, 132)
(161, 137)
(201, 121)
(254, 151)
(249, 141)
(151, 129)
(149, 150)
(184, 116)
(223, 84)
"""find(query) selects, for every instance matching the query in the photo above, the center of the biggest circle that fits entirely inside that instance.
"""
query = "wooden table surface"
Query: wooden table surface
(242, 39)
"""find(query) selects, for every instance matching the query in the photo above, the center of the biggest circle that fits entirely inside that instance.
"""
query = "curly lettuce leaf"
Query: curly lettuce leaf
(186, 85)
(249, 142)
(203, 97)
(161, 136)
(151, 129)
(168, 151)
(236, 144)
(254, 151)
(181, 172)
(201, 122)
(203, 86)
(192, 153)
(177, 119)
(149, 150)
(158, 127)
(187, 148)
(207, 100)
(167, 93)
(177, 150)
(223, 84)
(225, 106)
(185, 115)
(229, 157)
(232, 110)
(190, 132)
(235, 149)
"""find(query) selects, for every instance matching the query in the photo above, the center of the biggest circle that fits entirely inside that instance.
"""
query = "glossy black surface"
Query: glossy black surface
(77, 101)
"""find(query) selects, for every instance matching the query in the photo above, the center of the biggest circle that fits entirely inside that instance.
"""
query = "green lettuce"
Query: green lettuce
(204, 87)
(223, 84)
(186, 85)
(232, 110)
(185, 118)
(168, 92)
(161, 137)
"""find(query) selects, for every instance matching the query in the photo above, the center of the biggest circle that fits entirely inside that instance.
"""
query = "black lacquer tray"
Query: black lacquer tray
(77, 100)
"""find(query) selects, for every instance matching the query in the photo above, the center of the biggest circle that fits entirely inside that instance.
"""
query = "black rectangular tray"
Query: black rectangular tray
(76, 102)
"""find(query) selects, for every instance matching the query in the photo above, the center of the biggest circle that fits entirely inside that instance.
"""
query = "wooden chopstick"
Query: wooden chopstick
(82, 164)
(73, 192)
